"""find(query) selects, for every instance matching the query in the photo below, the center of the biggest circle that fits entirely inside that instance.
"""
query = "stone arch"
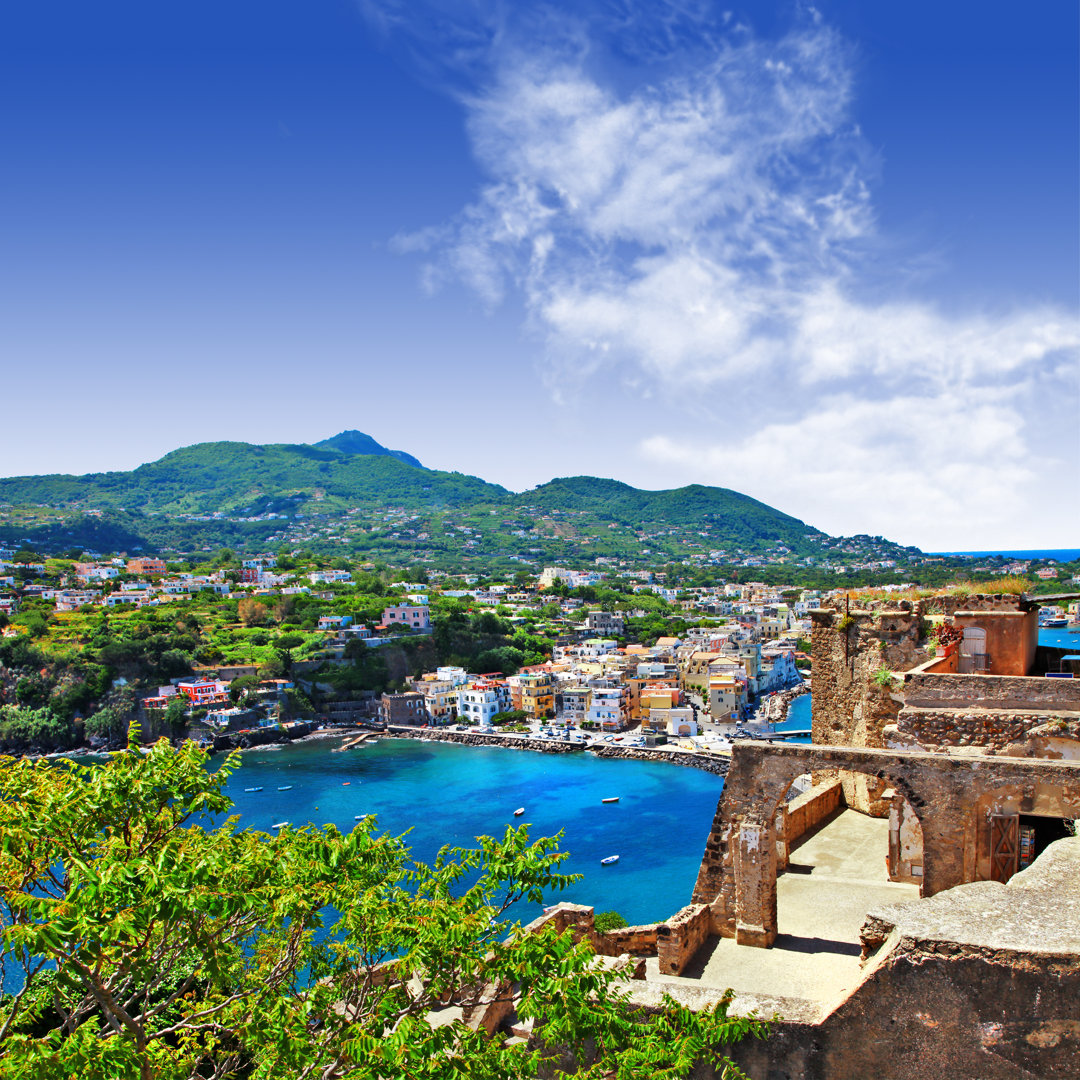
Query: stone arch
(738, 873)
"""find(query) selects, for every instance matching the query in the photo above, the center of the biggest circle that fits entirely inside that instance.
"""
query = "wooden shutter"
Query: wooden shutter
(1004, 846)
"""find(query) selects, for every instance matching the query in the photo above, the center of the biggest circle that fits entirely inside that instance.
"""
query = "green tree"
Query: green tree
(109, 723)
(176, 712)
(150, 947)
(284, 645)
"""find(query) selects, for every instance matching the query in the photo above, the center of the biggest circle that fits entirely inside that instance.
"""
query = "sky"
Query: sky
(823, 255)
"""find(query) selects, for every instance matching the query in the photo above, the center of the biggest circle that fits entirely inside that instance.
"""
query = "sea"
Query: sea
(447, 794)
(1060, 554)
(1060, 638)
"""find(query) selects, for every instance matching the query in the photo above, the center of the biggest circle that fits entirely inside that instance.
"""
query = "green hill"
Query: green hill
(727, 513)
(349, 495)
(241, 478)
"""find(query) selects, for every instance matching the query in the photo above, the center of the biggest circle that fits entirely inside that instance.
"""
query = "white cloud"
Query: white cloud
(705, 234)
(907, 468)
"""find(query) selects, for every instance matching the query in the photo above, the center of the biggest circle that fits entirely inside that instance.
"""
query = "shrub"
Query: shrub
(609, 920)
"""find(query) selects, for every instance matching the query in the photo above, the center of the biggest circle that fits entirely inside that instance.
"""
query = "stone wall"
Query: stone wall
(931, 690)
(627, 940)
(680, 937)
(993, 730)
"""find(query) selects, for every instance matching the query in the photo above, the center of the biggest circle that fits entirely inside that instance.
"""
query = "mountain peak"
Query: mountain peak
(356, 442)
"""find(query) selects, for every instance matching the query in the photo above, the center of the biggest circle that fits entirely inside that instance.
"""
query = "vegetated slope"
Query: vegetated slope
(728, 515)
(232, 477)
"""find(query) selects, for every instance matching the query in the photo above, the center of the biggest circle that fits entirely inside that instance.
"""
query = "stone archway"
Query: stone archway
(737, 878)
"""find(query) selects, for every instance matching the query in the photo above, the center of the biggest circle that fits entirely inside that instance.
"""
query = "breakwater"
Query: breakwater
(774, 709)
(715, 764)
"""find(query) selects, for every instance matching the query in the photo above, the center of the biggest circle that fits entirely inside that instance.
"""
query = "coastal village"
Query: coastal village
(700, 687)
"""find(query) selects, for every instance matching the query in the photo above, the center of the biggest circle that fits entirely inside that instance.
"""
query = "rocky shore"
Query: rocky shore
(715, 764)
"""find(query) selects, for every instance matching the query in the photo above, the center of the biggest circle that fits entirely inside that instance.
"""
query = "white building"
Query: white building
(478, 703)
(605, 708)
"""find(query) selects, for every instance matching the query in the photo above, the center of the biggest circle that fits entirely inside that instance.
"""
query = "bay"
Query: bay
(445, 793)
(1059, 638)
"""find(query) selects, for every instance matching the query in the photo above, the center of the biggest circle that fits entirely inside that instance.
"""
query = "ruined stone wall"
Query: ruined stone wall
(626, 940)
(953, 796)
(950, 605)
(850, 647)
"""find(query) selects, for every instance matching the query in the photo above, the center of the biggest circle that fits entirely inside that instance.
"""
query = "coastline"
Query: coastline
(711, 763)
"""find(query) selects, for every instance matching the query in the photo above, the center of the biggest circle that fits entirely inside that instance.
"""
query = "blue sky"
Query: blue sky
(823, 255)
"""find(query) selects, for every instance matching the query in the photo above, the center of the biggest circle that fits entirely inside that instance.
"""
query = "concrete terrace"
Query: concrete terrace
(836, 875)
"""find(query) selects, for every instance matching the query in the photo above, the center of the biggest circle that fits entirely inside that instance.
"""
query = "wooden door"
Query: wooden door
(1004, 846)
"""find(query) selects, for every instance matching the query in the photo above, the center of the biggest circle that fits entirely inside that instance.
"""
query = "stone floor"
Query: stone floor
(834, 878)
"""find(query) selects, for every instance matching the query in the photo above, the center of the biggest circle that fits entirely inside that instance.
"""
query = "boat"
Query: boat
(614, 798)
(345, 783)
(358, 817)
(609, 860)
(280, 824)
(287, 787)
(253, 789)
(519, 811)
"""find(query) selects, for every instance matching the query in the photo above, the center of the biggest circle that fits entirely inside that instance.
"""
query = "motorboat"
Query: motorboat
(609, 860)
(614, 798)
(287, 787)
(280, 824)
(519, 811)
(253, 789)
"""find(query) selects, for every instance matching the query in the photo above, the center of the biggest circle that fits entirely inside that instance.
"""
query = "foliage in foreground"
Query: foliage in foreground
(146, 946)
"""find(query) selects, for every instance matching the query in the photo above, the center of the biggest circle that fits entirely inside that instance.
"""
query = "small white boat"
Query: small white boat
(614, 798)
(253, 789)
(358, 817)
(287, 787)
(280, 824)
(519, 811)
(609, 860)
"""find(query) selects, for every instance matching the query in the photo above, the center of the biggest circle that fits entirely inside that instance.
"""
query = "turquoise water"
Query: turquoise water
(1060, 638)
(798, 718)
(450, 794)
